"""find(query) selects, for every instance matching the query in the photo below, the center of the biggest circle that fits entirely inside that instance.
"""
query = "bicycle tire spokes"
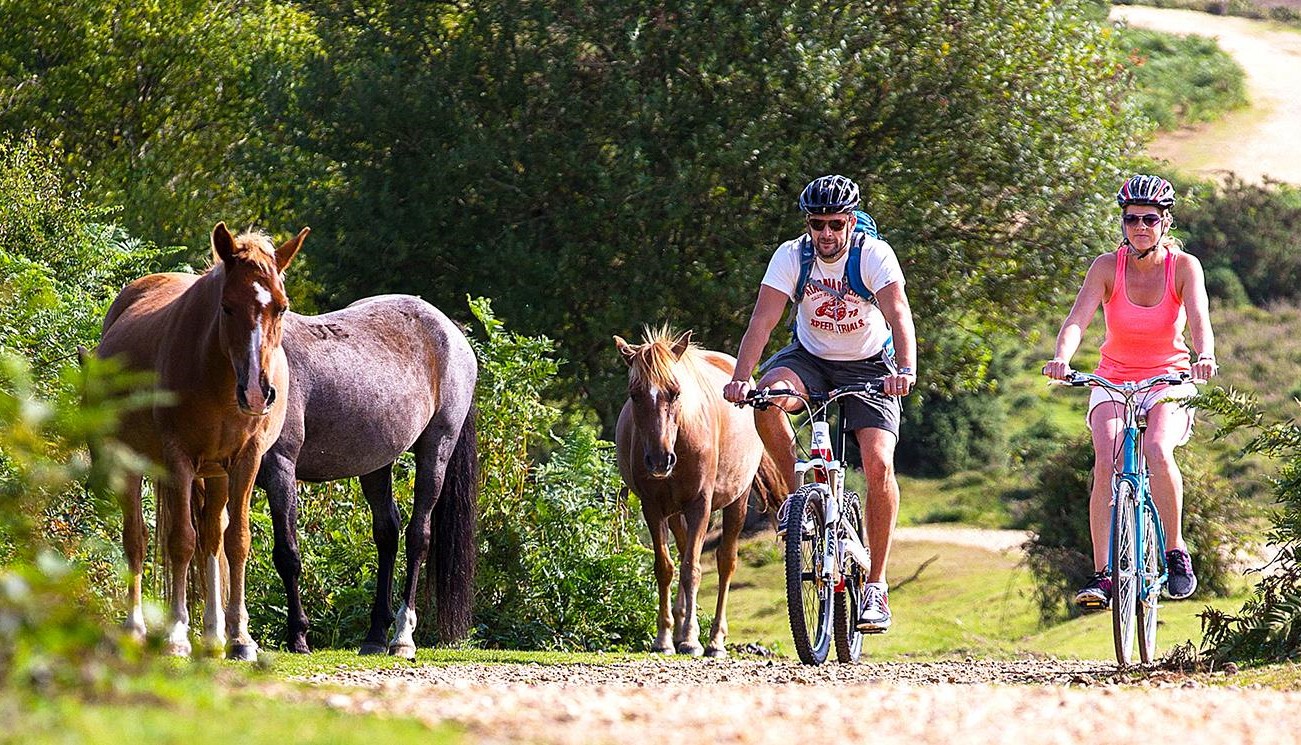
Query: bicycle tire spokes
(1124, 572)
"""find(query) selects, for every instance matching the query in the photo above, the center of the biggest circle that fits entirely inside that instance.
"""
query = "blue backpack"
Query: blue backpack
(864, 227)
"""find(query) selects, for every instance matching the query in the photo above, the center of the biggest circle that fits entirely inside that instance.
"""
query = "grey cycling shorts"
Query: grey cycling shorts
(817, 374)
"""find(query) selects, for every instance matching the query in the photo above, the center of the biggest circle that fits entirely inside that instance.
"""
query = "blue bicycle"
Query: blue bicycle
(1136, 550)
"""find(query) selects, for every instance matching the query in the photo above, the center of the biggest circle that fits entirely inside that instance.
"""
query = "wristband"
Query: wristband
(1206, 358)
(905, 371)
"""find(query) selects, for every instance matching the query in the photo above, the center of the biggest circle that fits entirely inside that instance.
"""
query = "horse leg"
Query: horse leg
(385, 524)
(663, 577)
(135, 537)
(179, 534)
(240, 473)
(678, 525)
(432, 450)
(276, 475)
(733, 522)
(697, 516)
(210, 496)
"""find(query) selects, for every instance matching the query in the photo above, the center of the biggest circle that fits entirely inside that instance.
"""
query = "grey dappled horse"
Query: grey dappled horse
(383, 376)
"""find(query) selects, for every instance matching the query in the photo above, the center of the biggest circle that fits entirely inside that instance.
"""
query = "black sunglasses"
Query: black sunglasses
(1149, 220)
(818, 225)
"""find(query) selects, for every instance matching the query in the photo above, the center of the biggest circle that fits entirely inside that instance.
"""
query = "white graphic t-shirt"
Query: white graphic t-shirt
(828, 326)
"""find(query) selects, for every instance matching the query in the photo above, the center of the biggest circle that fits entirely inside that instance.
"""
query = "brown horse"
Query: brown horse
(212, 342)
(685, 452)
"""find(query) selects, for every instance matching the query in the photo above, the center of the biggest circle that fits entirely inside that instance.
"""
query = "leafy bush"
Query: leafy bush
(560, 567)
(1060, 554)
(1268, 626)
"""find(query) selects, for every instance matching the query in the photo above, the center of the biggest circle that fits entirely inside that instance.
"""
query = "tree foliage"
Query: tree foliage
(168, 107)
(597, 166)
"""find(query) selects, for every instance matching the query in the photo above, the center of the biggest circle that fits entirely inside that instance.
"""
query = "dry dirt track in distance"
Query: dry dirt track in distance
(1259, 141)
(758, 701)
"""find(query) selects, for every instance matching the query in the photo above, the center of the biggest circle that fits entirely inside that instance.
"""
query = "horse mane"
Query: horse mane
(654, 361)
(255, 247)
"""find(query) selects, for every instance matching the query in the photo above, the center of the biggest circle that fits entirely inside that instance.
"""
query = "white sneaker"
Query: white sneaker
(875, 618)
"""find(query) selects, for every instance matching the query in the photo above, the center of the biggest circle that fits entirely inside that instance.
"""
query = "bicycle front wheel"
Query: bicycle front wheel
(1149, 586)
(1124, 576)
(808, 597)
(849, 602)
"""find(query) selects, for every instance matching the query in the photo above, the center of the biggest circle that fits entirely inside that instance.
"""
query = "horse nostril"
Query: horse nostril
(271, 395)
(672, 460)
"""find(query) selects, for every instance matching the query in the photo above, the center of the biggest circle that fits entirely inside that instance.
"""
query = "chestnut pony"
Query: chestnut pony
(686, 452)
(212, 342)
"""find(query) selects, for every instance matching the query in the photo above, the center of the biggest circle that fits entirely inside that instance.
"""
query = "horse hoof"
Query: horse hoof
(369, 648)
(177, 649)
(299, 648)
(242, 652)
(717, 653)
(405, 651)
(661, 649)
(695, 650)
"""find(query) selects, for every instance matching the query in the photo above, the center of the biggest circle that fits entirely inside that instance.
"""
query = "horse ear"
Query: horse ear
(222, 242)
(285, 253)
(82, 354)
(626, 350)
(680, 346)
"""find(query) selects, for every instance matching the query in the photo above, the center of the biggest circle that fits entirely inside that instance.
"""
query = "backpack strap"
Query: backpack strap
(864, 227)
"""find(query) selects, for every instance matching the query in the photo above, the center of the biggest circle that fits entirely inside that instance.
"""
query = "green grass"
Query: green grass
(284, 664)
(197, 710)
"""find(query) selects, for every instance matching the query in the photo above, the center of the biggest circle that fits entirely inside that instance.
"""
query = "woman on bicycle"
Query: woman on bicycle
(1149, 289)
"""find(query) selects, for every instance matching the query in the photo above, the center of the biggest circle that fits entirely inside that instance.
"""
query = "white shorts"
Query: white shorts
(1146, 401)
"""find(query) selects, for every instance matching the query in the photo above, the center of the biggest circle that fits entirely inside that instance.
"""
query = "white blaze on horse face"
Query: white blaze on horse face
(263, 294)
(253, 382)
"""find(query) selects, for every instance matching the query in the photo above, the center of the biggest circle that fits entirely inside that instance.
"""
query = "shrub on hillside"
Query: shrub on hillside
(1268, 626)
(1183, 79)
(1250, 230)
(1057, 512)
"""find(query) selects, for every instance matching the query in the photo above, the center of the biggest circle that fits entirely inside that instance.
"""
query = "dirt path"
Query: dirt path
(748, 701)
(1258, 141)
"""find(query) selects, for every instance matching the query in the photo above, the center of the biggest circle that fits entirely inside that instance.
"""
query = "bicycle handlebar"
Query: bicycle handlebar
(762, 398)
(1078, 379)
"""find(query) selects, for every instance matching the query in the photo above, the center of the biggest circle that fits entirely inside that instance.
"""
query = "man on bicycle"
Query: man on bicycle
(1149, 290)
(840, 338)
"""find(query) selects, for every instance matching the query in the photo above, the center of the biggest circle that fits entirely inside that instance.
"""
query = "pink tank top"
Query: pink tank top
(1143, 341)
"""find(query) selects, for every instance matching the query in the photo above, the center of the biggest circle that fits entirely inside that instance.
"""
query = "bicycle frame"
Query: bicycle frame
(827, 563)
(1132, 468)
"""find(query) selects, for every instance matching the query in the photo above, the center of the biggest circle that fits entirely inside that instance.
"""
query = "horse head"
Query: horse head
(253, 304)
(655, 392)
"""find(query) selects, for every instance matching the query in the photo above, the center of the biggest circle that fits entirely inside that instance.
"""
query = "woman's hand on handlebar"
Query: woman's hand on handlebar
(736, 391)
(1057, 369)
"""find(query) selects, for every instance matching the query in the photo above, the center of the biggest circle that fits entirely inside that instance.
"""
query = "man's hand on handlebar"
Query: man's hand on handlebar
(736, 391)
(898, 384)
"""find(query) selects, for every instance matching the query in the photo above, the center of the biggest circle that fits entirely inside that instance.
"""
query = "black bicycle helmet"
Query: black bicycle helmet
(1153, 191)
(829, 195)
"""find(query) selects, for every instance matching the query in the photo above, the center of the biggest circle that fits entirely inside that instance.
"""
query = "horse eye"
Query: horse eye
(226, 309)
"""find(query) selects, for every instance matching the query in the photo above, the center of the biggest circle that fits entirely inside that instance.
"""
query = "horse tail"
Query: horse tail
(454, 559)
(770, 485)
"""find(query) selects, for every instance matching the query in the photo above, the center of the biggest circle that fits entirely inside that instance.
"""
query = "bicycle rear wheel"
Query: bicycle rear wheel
(1149, 586)
(1124, 577)
(808, 598)
(849, 602)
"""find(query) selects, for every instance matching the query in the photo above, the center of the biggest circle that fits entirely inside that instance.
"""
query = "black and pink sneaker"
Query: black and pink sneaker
(1096, 595)
(1180, 582)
